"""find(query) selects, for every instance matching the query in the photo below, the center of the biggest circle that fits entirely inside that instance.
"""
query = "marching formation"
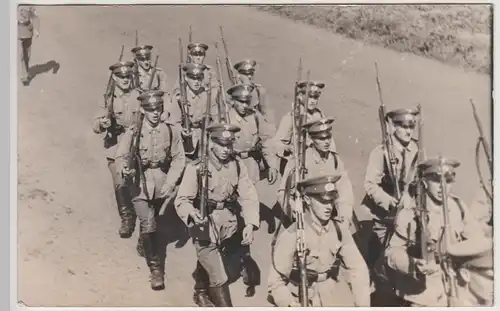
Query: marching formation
(201, 148)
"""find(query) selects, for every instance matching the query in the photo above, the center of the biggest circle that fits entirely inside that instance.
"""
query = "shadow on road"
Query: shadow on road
(43, 68)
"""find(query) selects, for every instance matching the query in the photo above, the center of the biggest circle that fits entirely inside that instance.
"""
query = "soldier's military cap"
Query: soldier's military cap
(223, 133)
(432, 168)
(142, 51)
(473, 253)
(151, 100)
(246, 66)
(320, 128)
(315, 88)
(122, 69)
(241, 92)
(403, 116)
(322, 186)
(194, 71)
(197, 48)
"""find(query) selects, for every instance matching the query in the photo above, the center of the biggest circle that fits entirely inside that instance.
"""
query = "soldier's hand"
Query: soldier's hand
(105, 122)
(247, 235)
(196, 216)
(167, 191)
(36, 33)
(186, 133)
(427, 268)
(126, 172)
(272, 176)
(393, 203)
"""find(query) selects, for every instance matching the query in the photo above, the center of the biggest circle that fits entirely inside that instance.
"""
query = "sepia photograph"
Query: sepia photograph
(255, 155)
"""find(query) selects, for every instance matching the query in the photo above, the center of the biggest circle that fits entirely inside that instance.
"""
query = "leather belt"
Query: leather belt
(152, 165)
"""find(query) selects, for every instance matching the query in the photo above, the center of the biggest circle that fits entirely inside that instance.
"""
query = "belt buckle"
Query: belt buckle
(219, 205)
(244, 155)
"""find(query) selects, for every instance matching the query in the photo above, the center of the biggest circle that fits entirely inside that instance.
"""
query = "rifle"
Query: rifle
(190, 40)
(229, 66)
(423, 213)
(222, 94)
(390, 159)
(137, 82)
(110, 138)
(303, 144)
(133, 157)
(203, 172)
(186, 122)
(487, 151)
(445, 260)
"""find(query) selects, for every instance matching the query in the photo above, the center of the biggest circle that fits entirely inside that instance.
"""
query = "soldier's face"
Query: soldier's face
(433, 186)
(322, 144)
(194, 83)
(123, 81)
(404, 131)
(197, 58)
(242, 107)
(144, 62)
(312, 102)
(480, 281)
(222, 150)
(321, 208)
(246, 78)
(152, 115)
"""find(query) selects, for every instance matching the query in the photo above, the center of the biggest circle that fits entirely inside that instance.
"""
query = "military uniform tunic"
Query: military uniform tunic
(325, 247)
(285, 129)
(197, 104)
(223, 181)
(125, 108)
(406, 242)
(250, 134)
(317, 166)
(159, 82)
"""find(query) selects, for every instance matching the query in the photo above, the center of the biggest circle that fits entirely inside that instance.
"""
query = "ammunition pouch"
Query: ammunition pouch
(316, 277)
(112, 133)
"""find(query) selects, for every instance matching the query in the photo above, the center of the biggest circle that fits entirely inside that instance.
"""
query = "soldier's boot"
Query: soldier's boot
(127, 214)
(220, 296)
(201, 295)
(153, 260)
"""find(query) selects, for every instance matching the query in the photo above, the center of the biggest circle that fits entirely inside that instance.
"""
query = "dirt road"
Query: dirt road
(69, 252)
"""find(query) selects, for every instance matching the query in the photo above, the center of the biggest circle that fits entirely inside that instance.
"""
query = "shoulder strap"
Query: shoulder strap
(335, 159)
(337, 228)
(460, 205)
(238, 168)
(256, 121)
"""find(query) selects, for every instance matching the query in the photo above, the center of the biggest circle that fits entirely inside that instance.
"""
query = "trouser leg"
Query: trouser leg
(210, 259)
(123, 202)
(149, 237)
(25, 50)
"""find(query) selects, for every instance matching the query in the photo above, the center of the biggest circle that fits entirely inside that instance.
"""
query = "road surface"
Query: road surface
(69, 252)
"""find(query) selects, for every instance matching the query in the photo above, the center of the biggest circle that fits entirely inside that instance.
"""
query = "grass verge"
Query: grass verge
(455, 34)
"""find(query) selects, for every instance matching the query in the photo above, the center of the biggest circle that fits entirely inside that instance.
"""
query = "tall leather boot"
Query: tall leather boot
(220, 296)
(140, 246)
(153, 261)
(201, 295)
(127, 214)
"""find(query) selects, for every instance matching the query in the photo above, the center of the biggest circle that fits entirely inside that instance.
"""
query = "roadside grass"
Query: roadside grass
(455, 34)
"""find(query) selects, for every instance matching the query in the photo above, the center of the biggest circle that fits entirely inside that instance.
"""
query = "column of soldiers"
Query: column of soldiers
(203, 153)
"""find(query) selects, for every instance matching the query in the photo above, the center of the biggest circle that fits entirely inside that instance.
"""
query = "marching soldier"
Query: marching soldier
(474, 261)
(380, 196)
(320, 160)
(161, 162)
(28, 25)
(246, 71)
(115, 116)
(254, 142)
(326, 241)
(417, 280)
(196, 98)
(196, 55)
(144, 68)
(232, 205)
(284, 133)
